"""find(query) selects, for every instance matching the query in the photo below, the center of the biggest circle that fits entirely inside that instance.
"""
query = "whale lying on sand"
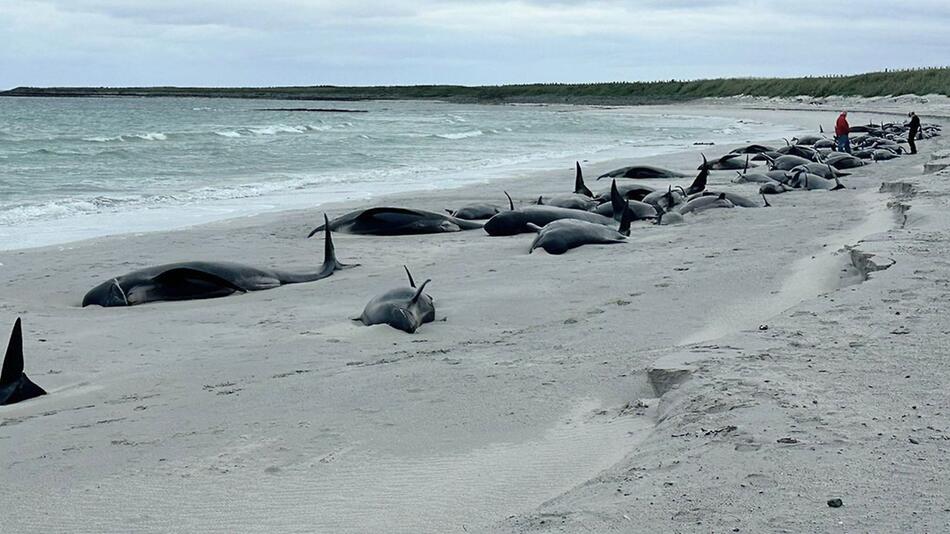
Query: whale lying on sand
(201, 280)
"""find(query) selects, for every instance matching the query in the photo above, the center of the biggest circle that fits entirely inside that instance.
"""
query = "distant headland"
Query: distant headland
(935, 80)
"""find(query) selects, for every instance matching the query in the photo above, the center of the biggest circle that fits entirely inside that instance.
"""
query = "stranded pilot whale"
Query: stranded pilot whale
(201, 280)
(403, 308)
(396, 221)
(559, 236)
(14, 384)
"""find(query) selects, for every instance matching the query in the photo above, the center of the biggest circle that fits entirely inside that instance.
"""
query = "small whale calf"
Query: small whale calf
(201, 280)
(14, 384)
(403, 308)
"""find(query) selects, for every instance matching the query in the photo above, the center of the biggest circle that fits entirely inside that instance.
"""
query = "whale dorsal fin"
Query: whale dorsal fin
(540, 200)
(579, 186)
(419, 291)
(13, 361)
(15, 386)
(767, 205)
(511, 204)
(412, 283)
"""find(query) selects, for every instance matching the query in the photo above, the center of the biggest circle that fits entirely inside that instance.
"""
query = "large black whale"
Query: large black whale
(201, 280)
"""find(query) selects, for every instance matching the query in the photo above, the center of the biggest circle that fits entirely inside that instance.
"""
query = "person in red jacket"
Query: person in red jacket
(842, 129)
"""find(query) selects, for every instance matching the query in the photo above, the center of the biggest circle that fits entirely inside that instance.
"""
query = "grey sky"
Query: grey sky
(360, 42)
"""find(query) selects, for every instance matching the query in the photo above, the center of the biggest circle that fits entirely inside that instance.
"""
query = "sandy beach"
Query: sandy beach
(731, 374)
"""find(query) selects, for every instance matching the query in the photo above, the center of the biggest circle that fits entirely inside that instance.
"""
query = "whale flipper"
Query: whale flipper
(14, 385)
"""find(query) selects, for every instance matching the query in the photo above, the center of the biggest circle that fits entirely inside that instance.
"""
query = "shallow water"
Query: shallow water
(72, 168)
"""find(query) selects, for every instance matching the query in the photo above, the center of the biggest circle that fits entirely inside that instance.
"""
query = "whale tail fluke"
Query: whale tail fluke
(14, 385)
(324, 226)
(699, 184)
(412, 283)
(330, 262)
(628, 217)
(617, 203)
(415, 298)
(579, 187)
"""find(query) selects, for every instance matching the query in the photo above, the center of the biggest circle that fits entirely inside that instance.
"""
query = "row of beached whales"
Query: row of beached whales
(561, 222)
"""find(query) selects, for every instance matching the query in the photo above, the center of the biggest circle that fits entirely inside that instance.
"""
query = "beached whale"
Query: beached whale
(802, 179)
(788, 162)
(665, 199)
(619, 205)
(571, 202)
(475, 212)
(801, 151)
(201, 280)
(15, 386)
(403, 308)
(673, 196)
(667, 218)
(773, 188)
(729, 162)
(560, 236)
(516, 221)
(806, 139)
(752, 149)
(752, 178)
(736, 199)
(821, 169)
(706, 202)
(631, 191)
(581, 199)
(388, 221)
(641, 172)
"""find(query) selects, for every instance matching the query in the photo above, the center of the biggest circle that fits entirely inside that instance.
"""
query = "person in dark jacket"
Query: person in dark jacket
(914, 126)
(842, 129)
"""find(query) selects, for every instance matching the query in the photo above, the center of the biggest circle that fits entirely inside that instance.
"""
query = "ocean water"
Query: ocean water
(74, 168)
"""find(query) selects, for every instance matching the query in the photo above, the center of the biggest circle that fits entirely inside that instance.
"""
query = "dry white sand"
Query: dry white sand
(533, 405)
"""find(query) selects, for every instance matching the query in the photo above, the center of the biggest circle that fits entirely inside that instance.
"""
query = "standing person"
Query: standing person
(842, 129)
(912, 134)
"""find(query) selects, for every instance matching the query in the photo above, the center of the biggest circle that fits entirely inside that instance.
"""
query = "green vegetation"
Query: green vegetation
(899, 82)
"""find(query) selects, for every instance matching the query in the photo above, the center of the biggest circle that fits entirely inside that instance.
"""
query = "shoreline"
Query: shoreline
(221, 210)
(227, 413)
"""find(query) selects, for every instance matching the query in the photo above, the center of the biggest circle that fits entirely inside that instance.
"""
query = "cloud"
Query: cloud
(249, 42)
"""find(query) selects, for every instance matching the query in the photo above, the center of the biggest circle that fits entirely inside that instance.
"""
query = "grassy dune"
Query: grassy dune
(916, 81)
